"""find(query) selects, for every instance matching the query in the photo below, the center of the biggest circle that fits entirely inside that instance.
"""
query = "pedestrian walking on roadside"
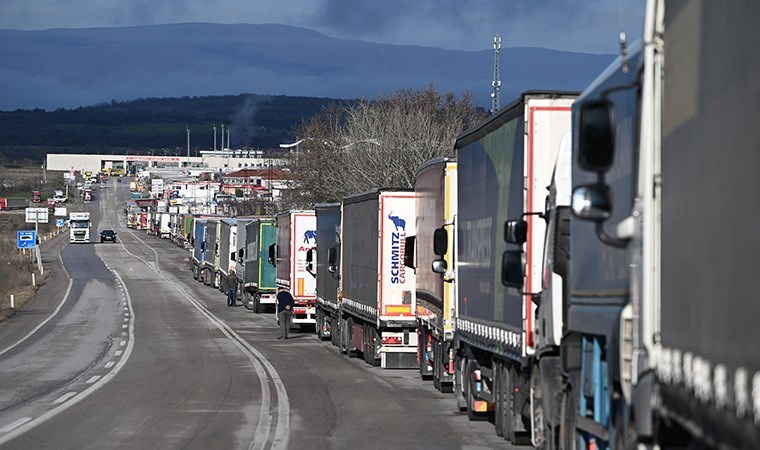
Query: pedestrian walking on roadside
(285, 304)
(231, 284)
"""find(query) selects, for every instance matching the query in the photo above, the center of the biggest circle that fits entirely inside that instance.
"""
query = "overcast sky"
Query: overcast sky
(574, 25)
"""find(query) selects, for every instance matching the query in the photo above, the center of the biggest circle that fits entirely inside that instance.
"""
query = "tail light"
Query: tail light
(476, 375)
(391, 340)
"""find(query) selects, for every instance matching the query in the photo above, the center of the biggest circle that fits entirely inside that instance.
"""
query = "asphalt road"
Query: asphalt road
(141, 355)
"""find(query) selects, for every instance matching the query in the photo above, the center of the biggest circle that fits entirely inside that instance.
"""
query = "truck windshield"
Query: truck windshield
(80, 224)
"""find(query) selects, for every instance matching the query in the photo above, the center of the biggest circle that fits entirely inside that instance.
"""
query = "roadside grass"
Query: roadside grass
(16, 268)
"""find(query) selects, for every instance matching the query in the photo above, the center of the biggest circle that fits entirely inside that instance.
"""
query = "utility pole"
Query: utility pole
(214, 137)
(188, 147)
(496, 83)
(222, 137)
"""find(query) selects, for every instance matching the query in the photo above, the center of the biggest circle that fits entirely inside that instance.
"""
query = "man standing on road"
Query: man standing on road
(231, 285)
(285, 304)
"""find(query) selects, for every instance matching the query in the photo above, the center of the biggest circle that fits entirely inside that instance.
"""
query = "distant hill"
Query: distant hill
(73, 67)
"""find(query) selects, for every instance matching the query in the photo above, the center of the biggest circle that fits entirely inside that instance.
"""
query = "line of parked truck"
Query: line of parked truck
(581, 272)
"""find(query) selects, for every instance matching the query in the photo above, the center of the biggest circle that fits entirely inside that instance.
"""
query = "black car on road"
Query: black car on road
(107, 235)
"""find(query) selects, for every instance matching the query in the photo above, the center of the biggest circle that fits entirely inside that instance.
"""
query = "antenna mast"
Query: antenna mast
(496, 83)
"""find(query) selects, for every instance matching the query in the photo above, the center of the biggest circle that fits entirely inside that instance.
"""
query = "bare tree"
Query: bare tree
(359, 146)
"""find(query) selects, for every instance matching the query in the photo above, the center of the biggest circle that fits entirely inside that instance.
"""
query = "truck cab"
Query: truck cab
(79, 227)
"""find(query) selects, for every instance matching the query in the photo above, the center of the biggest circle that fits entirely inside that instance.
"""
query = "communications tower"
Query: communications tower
(496, 83)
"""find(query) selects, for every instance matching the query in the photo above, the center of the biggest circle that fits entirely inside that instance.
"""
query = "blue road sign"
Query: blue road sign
(26, 239)
(60, 223)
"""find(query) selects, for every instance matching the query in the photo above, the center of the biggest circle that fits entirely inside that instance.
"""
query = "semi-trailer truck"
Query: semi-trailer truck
(256, 276)
(435, 186)
(211, 262)
(504, 166)
(325, 263)
(661, 341)
(199, 249)
(79, 227)
(378, 302)
(227, 249)
(296, 235)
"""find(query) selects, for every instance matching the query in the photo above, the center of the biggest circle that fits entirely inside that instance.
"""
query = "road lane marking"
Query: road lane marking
(93, 379)
(110, 364)
(65, 397)
(118, 353)
(124, 326)
(44, 322)
(262, 366)
(12, 426)
(123, 343)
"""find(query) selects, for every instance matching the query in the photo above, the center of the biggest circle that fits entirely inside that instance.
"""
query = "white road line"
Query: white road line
(65, 397)
(259, 362)
(123, 343)
(14, 425)
(110, 364)
(93, 379)
(126, 319)
(42, 324)
(124, 326)
(117, 353)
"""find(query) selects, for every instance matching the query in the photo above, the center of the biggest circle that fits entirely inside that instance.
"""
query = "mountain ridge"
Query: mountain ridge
(64, 67)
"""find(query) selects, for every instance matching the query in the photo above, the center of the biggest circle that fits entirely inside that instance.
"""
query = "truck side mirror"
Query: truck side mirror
(309, 259)
(592, 202)
(409, 244)
(241, 253)
(232, 256)
(332, 260)
(440, 266)
(596, 136)
(512, 269)
(440, 241)
(515, 231)
(273, 254)
(203, 246)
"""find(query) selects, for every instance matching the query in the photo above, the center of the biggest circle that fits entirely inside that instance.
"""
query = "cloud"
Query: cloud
(574, 25)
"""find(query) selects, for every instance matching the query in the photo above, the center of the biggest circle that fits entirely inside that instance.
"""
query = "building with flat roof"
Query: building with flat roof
(214, 161)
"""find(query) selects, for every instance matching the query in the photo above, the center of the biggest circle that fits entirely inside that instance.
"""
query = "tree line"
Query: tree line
(256, 121)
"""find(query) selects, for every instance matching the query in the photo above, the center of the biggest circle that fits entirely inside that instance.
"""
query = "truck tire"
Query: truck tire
(459, 386)
(499, 404)
(437, 365)
(375, 343)
(334, 330)
(246, 298)
(342, 343)
(568, 439)
(422, 353)
(366, 350)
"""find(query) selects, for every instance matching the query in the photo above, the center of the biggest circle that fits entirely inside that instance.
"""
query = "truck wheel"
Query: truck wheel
(350, 349)
(568, 439)
(375, 344)
(366, 350)
(342, 343)
(437, 367)
(423, 354)
(334, 330)
(459, 387)
(246, 298)
(498, 399)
